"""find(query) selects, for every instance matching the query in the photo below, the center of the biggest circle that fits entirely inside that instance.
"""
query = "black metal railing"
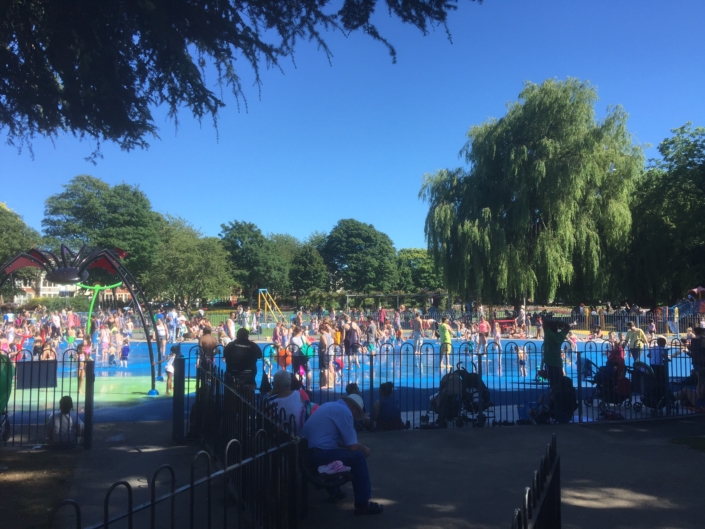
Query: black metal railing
(255, 453)
(35, 391)
(506, 387)
(541, 508)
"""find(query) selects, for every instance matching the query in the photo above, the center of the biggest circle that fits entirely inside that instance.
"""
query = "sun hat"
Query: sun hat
(357, 399)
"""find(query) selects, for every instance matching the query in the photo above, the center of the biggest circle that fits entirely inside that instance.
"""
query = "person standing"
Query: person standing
(382, 316)
(208, 346)
(229, 326)
(371, 335)
(445, 333)
(241, 357)
(636, 340)
(555, 333)
(483, 329)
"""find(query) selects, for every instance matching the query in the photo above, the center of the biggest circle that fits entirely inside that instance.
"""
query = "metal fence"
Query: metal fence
(36, 388)
(256, 453)
(506, 385)
(541, 507)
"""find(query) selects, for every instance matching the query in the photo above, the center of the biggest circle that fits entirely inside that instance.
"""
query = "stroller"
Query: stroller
(609, 389)
(462, 397)
(654, 393)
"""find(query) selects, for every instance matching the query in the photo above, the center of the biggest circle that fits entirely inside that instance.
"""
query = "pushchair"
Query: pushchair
(462, 397)
(654, 393)
(609, 389)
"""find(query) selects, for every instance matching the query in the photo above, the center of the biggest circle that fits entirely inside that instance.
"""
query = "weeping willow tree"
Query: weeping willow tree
(542, 208)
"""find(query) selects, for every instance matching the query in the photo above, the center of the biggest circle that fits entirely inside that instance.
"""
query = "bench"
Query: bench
(309, 474)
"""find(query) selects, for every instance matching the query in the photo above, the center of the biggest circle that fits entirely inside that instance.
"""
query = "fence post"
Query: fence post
(88, 413)
(178, 402)
(372, 382)
(580, 385)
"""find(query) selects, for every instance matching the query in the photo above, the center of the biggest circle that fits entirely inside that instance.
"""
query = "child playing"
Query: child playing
(169, 368)
(521, 361)
(124, 353)
(112, 361)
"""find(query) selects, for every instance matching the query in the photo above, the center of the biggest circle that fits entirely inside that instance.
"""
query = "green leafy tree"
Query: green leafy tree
(544, 203)
(285, 245)
(360, 257)
(254, 258)
(308, 271)
(417, 271)
(97, 69)
(15, 237)
(189, 267)
(90, 211)
(668, 244)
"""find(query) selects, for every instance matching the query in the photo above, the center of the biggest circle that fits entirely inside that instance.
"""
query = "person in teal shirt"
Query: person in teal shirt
(554, 335)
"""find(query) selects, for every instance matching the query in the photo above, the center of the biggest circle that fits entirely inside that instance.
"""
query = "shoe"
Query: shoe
(371, 508)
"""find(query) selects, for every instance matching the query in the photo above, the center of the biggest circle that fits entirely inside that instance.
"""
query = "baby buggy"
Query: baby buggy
(462, 397)
(609, 388)
(654, 393)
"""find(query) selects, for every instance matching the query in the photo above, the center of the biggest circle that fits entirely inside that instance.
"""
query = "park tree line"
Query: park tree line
(556, 204)
(173, 260)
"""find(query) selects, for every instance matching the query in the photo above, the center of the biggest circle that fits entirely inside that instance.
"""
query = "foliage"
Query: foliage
(90, 211)
(668, 245)
(188, 267)
(15, 237)
(360, 257)
(308, 271)
(538, 208)
(285, 246)
(96, 69)
(417, 271)
(254, 258)
(77, 303)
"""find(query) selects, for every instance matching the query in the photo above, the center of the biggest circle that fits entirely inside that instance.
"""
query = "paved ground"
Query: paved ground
(615, 475)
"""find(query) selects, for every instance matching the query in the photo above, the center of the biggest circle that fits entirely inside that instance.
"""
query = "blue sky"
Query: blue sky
(353, 139)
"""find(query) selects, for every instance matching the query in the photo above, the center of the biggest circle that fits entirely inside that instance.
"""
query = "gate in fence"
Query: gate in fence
(541, 508)
(35, 389)
(255, 453)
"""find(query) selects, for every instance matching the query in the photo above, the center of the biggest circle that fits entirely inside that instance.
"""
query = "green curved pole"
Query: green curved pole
(96, 290)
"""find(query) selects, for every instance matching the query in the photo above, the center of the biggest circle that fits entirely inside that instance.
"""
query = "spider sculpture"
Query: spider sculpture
(68, 267)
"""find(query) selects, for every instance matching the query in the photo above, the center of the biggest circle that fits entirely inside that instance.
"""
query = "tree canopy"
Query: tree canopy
(360, 258)
(417, 271)
(188, 266)
(15, 237)
(668, 245)
(544, 202)
(308, 271)
(97, 69)
(255, 260)
(90, 211)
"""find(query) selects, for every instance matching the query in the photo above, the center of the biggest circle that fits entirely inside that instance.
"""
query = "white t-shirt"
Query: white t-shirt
(62, 429)
(293, 406)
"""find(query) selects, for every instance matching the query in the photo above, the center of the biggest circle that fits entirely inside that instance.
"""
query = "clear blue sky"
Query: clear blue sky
(353, 139)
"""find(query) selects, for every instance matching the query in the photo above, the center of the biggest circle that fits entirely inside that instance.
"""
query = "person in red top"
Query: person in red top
(615, 361)
(382, 316)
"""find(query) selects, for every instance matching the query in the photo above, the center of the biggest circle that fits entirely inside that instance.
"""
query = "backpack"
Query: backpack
(309, 407)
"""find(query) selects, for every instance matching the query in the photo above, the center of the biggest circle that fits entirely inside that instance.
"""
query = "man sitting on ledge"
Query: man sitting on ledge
(331, 437)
